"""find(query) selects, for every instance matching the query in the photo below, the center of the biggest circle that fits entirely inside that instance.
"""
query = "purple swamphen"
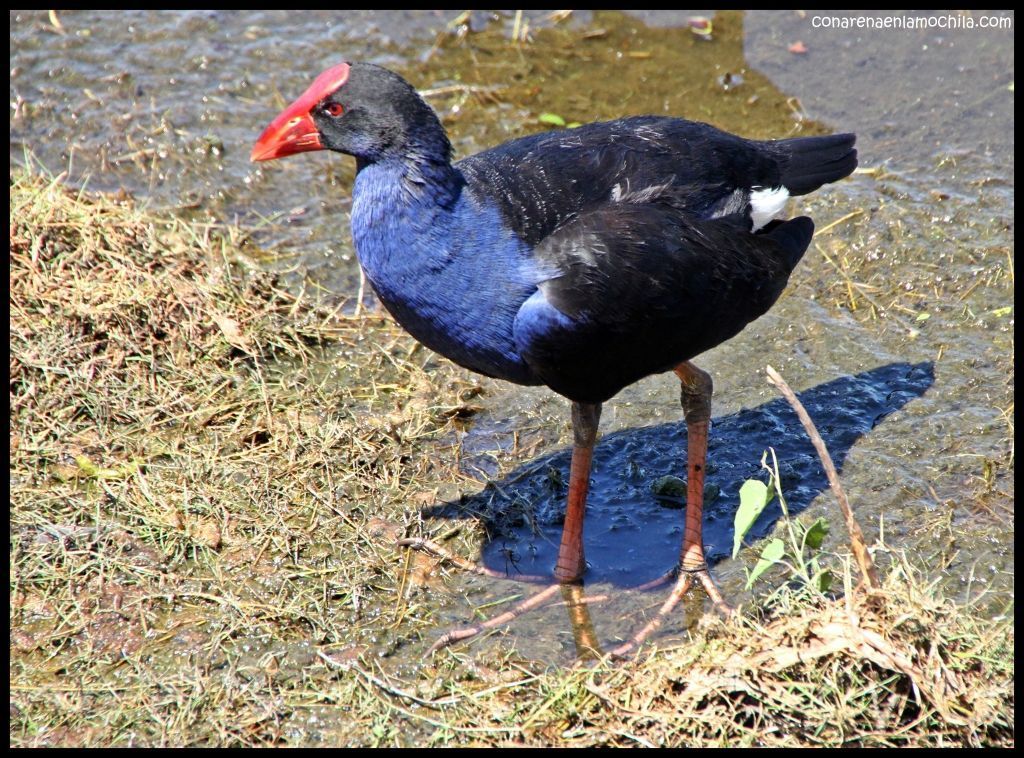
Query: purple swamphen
(583, 259)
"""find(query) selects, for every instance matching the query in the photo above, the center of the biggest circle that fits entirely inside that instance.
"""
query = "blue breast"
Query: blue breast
(445, 267)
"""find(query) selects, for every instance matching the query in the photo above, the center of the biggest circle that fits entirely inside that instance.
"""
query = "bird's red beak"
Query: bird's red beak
(294, 131)
(291, 132)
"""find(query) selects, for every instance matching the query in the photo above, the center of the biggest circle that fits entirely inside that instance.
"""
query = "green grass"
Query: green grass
(207, 478)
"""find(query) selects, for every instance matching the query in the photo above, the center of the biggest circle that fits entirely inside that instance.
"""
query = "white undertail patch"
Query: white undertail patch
(766, 204)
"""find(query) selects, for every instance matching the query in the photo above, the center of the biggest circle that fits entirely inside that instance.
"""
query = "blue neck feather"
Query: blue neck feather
(442, 262)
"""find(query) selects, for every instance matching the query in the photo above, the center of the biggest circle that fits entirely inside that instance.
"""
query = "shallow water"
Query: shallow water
(897, 329)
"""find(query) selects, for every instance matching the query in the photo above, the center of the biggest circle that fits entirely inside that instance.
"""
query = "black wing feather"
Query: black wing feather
(539, 182)
(642, 287)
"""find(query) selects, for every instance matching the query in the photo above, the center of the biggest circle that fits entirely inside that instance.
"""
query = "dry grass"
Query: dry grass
(207, 476)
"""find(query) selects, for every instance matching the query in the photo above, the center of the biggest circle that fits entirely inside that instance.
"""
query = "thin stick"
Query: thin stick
(462, 89)
(838, 221)
(362, 290)
(428, 546)
(860, 550)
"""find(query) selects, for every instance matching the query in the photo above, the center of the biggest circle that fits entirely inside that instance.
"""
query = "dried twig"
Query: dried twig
(860, 550)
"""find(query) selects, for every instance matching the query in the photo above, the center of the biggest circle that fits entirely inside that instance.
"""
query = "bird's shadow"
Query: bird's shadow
(633, 535)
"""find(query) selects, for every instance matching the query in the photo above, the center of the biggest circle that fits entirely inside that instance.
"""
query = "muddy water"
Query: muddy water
(897, 329)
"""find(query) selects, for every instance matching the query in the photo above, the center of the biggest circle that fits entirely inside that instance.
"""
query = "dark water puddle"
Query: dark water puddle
(632, 533)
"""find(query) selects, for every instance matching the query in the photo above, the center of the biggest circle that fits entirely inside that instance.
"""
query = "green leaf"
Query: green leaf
(771, 555)
(816, 534)
(923, 316)
(92, 471)
(551, 119)
(824, 581)
(754, 496)
(87, 467)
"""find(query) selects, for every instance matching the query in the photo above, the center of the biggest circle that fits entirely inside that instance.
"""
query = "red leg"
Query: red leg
(571, 562)
(696, 401)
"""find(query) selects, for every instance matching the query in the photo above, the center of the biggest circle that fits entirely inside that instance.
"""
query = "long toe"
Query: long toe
(682, 585)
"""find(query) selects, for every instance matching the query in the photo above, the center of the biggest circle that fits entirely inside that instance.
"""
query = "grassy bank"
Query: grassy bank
(207, 479)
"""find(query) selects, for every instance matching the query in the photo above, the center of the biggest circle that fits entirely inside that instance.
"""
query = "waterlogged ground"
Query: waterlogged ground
(897, 329)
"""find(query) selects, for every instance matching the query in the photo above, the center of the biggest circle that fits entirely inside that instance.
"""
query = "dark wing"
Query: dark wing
(636, 288)
(540, 182)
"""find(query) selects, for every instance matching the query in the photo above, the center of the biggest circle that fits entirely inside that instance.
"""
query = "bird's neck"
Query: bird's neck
(403, 214)
(419, 172)
(420, 165)
(398, 199)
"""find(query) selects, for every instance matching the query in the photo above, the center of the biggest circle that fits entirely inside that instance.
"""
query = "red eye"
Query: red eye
(333, 109)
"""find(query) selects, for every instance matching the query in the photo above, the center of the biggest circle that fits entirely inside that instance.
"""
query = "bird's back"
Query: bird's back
(646, 231)
(540, 181)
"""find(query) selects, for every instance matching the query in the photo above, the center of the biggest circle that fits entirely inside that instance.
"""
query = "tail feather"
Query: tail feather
(814, 161)
(793, 236)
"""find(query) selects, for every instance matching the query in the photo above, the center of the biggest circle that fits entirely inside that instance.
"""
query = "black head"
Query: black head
(359, 109)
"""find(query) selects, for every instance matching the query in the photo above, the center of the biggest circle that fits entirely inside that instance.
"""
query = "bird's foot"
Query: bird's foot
(458, 635)
(575, 598)
(586, 642)
(684, 580)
